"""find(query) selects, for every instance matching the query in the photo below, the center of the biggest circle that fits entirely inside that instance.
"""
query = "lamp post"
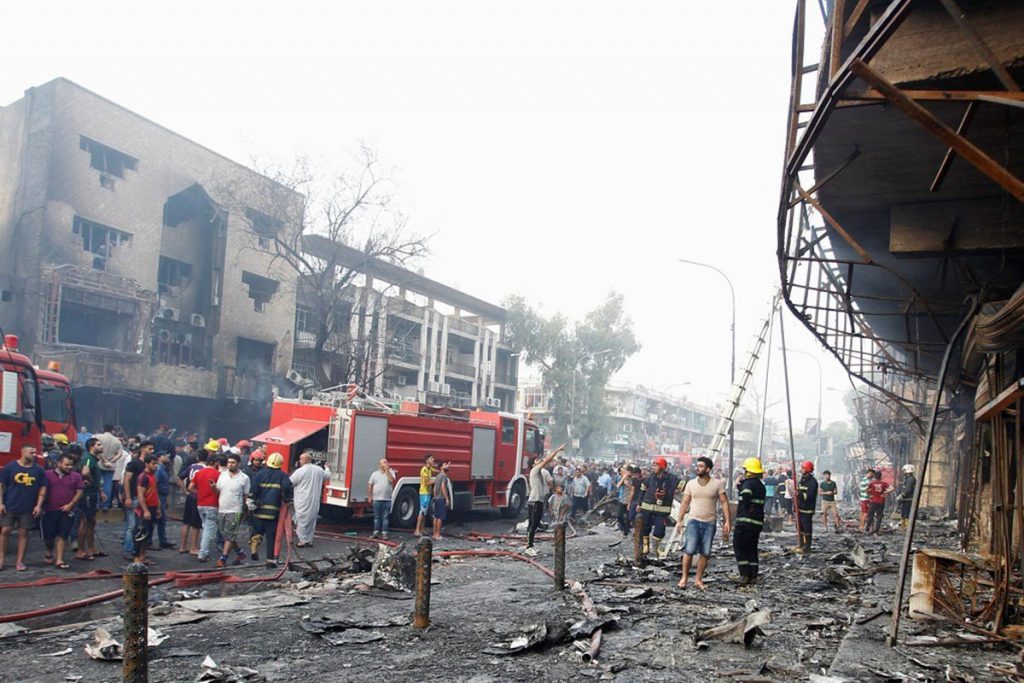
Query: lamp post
(572, 403)
(818, 362)
(732, 363)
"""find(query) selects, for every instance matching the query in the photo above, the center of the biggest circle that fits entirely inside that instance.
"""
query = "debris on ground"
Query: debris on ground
(103, 646)
(394, 569)
(243, 603)
(742, 631)
(212, 673)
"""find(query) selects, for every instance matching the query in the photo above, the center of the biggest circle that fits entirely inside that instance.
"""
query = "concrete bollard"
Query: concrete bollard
(424, 556)
(136, 622)
(639, 559)
(560, 556)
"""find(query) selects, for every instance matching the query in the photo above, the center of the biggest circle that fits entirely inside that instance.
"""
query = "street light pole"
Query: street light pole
(732, 363)
(819, 430)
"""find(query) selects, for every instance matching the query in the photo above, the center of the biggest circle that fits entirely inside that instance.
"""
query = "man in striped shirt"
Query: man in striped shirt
(869, 476)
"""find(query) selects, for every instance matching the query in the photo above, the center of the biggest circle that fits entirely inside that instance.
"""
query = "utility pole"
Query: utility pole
(732, 363)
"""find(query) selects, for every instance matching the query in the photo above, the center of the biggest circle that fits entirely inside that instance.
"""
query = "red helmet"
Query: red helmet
(806, 466)
(223, 442)
(662, 463)
(244, 443)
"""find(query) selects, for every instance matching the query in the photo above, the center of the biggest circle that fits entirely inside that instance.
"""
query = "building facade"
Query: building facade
(143, 263)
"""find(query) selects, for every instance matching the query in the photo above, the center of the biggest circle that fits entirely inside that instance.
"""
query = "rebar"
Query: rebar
(560, 556)
(639, 559)
(136, 618)
(424, 556)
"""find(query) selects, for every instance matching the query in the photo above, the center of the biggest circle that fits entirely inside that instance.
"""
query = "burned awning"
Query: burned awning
(290, 432)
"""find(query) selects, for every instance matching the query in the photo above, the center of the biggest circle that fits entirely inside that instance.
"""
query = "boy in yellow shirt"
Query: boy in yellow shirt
(427, 473)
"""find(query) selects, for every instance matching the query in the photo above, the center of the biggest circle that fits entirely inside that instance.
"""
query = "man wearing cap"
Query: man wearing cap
(656, 495)
(271, 490)
(806, 501)
(749, 521)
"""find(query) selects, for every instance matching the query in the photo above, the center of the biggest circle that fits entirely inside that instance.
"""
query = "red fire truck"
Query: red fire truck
(31, 402)
(490, 453)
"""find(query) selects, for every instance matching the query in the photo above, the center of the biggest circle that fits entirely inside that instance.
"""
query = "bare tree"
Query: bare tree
(354, 208)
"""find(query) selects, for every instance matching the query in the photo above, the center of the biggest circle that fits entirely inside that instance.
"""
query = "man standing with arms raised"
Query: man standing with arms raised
(538, 492)
(701, 499)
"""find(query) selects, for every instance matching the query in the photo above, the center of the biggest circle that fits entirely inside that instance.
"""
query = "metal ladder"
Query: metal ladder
(732, 405)
(725, 422)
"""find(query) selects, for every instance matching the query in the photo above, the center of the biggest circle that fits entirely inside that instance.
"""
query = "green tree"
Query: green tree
(576, 361)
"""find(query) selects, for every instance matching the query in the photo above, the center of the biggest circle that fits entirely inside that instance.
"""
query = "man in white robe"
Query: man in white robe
(308, 483)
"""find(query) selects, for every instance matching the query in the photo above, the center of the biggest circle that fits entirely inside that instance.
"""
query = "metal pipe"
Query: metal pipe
(560, 556)
(136, 618)
(595, 647)
(908, 539)
(421, 612)
(639, 559)
(792, 443)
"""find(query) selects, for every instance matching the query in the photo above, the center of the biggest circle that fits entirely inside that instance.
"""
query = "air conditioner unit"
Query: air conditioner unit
(446, 389)
(401, 380)
(197, 320)
(164, 335)
(434, 387)
(170, 313)
(294, 376)
(492, 402)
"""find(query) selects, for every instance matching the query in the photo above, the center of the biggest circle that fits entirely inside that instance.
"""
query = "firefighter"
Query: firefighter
(270, 491)
(749, 521)
(807, 500)
(906, 497)
(656, 495)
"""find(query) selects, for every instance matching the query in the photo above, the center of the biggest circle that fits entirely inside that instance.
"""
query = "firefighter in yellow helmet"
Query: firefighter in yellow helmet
(270, 492)
(749, 521)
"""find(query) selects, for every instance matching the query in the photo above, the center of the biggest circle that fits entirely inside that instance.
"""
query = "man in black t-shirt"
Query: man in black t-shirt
(129, 481)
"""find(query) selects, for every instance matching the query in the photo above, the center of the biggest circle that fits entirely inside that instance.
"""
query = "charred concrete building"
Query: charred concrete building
(901, 240)
(145, 264)
(137, 258)
(422, 340)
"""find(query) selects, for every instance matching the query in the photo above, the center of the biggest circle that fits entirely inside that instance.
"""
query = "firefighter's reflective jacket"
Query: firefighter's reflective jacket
(750, 505)
(808, 494)
(657, 492)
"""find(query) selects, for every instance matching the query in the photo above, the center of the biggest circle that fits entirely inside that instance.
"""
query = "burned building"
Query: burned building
(139, 260)
(416, 338)
(901, 239)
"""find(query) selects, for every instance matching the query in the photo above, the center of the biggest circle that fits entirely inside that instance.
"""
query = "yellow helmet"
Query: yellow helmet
(275, 460)
(212, 445)
(61, 439)
(753, 465)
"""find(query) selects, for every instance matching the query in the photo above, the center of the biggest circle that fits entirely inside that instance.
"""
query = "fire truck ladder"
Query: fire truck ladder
(732, 406)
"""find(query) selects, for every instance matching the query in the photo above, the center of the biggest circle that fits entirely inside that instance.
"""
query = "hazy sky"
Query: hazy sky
(557, 150)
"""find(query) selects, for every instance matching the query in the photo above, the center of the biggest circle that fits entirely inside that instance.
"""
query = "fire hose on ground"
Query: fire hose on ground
(197, 577)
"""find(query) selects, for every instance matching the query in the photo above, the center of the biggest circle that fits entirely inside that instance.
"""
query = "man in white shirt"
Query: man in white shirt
(232, 490)
(379, 490)
(111, 463)
(308, 481)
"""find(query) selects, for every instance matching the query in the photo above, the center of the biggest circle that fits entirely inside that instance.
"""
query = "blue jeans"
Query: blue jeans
(381, 511)
(699, 537)
(208, 540)
(107, 484)
(129, 531)
(161, 524)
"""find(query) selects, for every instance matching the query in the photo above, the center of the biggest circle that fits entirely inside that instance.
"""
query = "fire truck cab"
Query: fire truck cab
(490, 452)
(32, 402)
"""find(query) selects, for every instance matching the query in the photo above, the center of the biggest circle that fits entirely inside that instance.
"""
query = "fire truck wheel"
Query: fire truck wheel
(517, 498)
(405, 508)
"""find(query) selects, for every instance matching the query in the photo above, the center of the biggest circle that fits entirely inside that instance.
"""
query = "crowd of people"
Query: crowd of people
(225, 490)
(643, 496)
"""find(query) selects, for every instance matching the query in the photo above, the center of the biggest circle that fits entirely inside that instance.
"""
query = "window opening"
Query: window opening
(107, 159)
(261, 289)
(100, 240)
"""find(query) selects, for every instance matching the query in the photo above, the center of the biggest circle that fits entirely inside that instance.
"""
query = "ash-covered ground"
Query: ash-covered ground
(828, 617)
